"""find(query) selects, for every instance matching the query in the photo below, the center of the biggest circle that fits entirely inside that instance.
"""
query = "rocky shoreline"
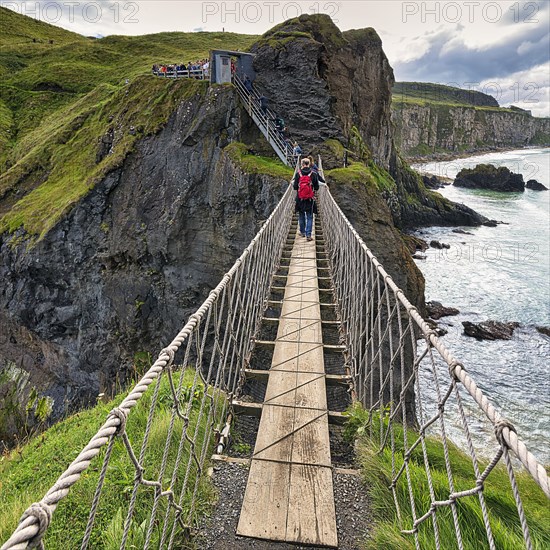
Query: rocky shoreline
(454, 155)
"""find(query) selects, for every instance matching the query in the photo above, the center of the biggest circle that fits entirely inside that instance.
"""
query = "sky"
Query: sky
(501, 47)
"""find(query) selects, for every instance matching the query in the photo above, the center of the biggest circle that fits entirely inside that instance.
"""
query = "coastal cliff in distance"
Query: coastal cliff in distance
(435, 120)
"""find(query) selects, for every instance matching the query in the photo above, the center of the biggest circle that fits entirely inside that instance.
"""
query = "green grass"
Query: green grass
(253, 164)
(335, 147)
(358, 173)
(56, 100)
(376, 469)
(318, 27)
(58, 162)
(28, 472)
(439, 93)
(399, 101)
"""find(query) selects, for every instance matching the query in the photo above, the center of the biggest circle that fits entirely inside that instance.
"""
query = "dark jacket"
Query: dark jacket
(306, 205)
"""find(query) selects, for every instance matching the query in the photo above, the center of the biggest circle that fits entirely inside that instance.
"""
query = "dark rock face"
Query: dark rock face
(433, 182)
(436, 310)
(490, 330)
(536, 185)
(439, 245)
(487, 176)
(544, 330)
(415, 243)
(327, 83)
(124, 270)
(334, 85)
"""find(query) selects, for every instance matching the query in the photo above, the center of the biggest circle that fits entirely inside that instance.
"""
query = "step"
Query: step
(330, 379)
(247, 408)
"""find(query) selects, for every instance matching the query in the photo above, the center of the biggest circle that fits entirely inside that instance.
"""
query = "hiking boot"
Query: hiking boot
(302, 234)
(310, 238)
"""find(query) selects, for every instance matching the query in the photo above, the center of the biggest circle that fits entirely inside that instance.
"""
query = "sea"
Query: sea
(500, 273)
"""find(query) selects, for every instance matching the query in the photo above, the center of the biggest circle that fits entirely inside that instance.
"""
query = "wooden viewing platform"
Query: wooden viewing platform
(289, 496)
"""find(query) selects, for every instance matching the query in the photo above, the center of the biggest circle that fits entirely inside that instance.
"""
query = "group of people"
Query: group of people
(197, 69)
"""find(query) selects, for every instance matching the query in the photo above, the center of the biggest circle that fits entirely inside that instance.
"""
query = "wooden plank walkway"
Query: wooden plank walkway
(289, 496)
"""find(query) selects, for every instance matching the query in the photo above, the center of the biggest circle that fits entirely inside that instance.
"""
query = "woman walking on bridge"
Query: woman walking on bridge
(306, 182)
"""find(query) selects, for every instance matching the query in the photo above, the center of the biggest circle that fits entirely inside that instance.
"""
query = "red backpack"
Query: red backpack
(305, 187)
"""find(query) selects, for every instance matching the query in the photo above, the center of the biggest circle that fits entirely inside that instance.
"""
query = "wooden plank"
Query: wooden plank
(311, 444)
(330, 379)
(311, 511)
(274, 440)
(265, 504)
(293, 447)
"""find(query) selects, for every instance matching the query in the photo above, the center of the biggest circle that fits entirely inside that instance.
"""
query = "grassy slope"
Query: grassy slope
(27, 473)
(56, 101)
(254, 164)
(377, 471)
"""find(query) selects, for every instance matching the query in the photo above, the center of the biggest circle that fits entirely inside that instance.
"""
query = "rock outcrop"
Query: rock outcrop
(436, 310)
(123, 271)
(334, 89)
(535, 186)
(434, 182)
(487, 176)
(490, 330)
(326, 82)
(439, 245)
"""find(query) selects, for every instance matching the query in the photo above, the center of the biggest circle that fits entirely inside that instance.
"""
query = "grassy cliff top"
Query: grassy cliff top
(425, 93)
(59, 92)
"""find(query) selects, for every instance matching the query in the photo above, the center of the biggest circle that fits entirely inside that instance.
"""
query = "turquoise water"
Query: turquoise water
(500, 273)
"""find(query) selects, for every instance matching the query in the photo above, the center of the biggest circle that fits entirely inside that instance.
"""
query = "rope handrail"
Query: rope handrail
(228, 320)
(510, 437)
(416, 386)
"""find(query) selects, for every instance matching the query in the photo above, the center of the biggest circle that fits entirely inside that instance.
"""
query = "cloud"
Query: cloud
(529, 90)
(97, 17)
(448, 57)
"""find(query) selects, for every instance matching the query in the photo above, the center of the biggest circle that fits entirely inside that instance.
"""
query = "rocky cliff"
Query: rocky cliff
(121, 273)
(334, 90)
(440, 128)
(325, 82)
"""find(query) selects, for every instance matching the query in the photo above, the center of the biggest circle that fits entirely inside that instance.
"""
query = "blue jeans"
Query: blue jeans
(306, 223)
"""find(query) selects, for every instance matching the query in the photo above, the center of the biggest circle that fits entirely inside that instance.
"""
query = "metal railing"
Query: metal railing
(199, 74)
(263, 119)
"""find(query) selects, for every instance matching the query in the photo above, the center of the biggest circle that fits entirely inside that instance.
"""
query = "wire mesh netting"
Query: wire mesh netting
(412, 389)
(144, 468)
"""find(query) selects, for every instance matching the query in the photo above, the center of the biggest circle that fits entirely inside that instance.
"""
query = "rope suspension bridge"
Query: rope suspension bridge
(384, 345)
